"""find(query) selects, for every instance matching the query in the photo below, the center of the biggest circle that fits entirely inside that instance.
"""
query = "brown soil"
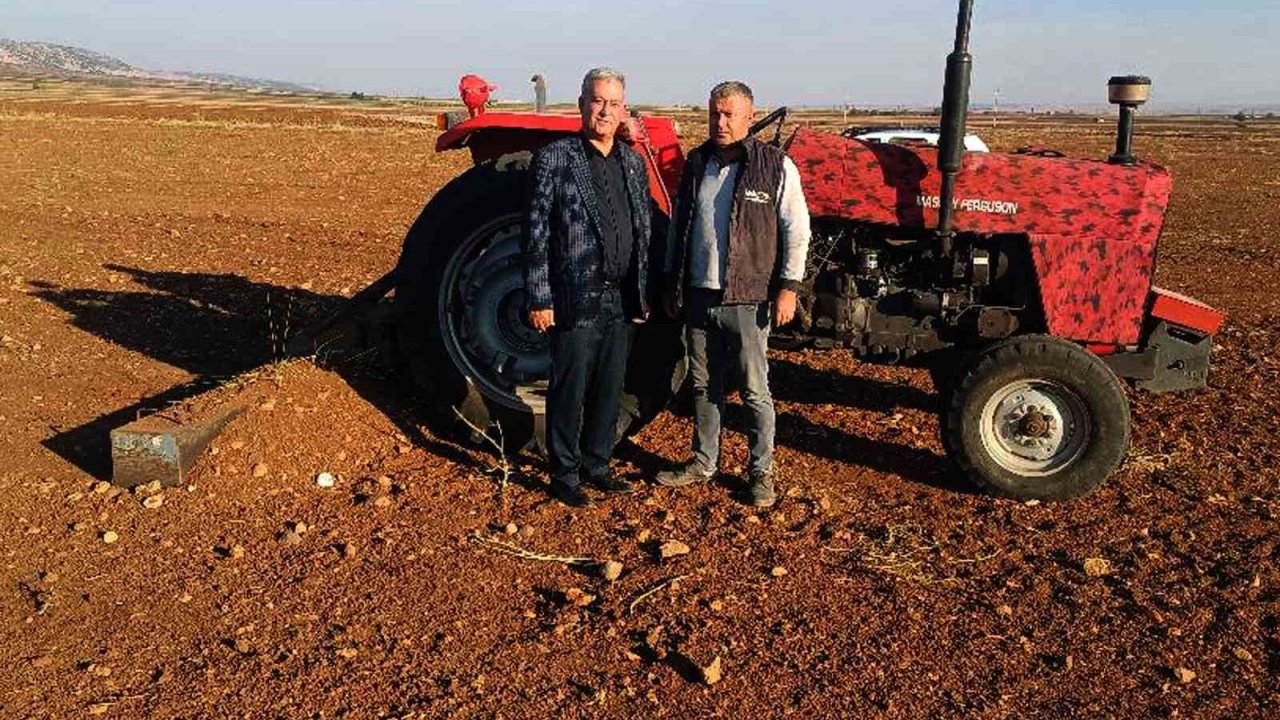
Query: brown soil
(141, 250)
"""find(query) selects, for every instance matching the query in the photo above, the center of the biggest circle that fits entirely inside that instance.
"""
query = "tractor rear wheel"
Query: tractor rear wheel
(462, 330)
(459, 295)
(1036, 417)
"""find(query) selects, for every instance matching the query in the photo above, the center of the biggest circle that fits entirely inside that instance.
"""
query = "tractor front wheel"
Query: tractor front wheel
(1036, 417)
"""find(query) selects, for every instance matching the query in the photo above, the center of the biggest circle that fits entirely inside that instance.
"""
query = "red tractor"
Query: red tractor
(1022, 282)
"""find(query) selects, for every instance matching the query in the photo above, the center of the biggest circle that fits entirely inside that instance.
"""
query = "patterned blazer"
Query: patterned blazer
(563, 249)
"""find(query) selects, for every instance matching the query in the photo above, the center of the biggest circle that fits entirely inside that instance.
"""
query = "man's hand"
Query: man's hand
(640, 320)
(542, 320)
(671, 303)
(784, 308)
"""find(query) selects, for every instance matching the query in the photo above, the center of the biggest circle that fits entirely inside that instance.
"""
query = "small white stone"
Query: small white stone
(325, 480)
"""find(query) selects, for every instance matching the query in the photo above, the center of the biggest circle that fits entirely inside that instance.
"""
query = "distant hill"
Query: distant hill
(73, 61)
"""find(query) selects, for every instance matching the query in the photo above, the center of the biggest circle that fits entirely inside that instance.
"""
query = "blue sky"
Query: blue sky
(794, 52)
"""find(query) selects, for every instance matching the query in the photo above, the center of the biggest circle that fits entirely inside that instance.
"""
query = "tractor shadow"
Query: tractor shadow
(892, 458)
(215, 326)
(793, 382)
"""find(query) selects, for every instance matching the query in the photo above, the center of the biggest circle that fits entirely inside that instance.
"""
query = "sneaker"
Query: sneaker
(760, 492)
(687, 474)
(611, 483)
(570, 495)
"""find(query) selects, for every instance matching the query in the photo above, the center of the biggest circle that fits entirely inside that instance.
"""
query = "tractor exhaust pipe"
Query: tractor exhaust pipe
(955, 111)
(1127, 91)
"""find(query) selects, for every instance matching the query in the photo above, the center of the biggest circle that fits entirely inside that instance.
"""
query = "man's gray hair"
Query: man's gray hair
(595, 75)
(729, 88)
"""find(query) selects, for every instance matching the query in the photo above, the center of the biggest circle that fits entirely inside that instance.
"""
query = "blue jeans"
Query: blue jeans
(729, 342)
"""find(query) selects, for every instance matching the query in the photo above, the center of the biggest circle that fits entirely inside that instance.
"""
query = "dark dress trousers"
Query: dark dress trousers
(586, 254)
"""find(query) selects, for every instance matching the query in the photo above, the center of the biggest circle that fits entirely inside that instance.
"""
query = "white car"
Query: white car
(910, 136)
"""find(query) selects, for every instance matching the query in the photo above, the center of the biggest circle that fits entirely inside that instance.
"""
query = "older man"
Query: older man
(738, 241)
(586, 247)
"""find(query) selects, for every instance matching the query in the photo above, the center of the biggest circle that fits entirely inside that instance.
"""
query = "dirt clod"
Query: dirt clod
(711, 674)
(1097, 567)
(671, 549)
(611, 570)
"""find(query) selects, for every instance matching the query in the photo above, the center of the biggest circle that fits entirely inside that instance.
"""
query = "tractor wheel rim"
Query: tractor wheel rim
(482, 317)
(1035, 427)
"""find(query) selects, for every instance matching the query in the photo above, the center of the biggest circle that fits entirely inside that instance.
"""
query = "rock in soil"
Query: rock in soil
(711, 673)
(672, 548)
(150, 488)
(1097, 567)
(611, 570)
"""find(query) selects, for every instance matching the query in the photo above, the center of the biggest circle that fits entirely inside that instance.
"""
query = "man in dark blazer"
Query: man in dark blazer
(585, 249)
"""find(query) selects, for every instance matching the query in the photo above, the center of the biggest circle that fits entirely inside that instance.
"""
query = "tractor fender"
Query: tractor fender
(494, 134)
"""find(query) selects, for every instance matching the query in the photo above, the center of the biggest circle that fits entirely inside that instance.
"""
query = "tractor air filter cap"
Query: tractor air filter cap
(1128, 89)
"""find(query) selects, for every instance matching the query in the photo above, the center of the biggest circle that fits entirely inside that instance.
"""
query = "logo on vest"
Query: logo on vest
(757, 196)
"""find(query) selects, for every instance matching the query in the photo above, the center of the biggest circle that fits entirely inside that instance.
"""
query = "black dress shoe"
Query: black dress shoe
(611, 483)
(570, 495)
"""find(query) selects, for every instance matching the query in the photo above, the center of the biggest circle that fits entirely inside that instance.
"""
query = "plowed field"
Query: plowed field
(148, 243)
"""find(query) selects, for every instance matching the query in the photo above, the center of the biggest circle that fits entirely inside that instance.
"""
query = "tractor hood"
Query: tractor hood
(1091, 226)
(995, 193)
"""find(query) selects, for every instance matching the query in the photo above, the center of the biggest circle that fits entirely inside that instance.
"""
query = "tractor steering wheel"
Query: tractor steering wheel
(778, 116)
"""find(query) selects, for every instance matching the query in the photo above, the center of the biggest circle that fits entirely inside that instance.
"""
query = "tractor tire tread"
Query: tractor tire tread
(1031, 350)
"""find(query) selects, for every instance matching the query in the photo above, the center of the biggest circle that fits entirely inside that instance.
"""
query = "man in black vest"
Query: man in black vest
(585, 252)
(738, 240)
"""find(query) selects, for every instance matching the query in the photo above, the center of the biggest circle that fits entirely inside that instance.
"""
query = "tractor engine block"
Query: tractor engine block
(883, 294)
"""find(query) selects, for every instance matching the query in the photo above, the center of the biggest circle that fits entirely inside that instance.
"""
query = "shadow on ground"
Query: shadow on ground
(797, 383)
(217, 326)
(214, 326)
